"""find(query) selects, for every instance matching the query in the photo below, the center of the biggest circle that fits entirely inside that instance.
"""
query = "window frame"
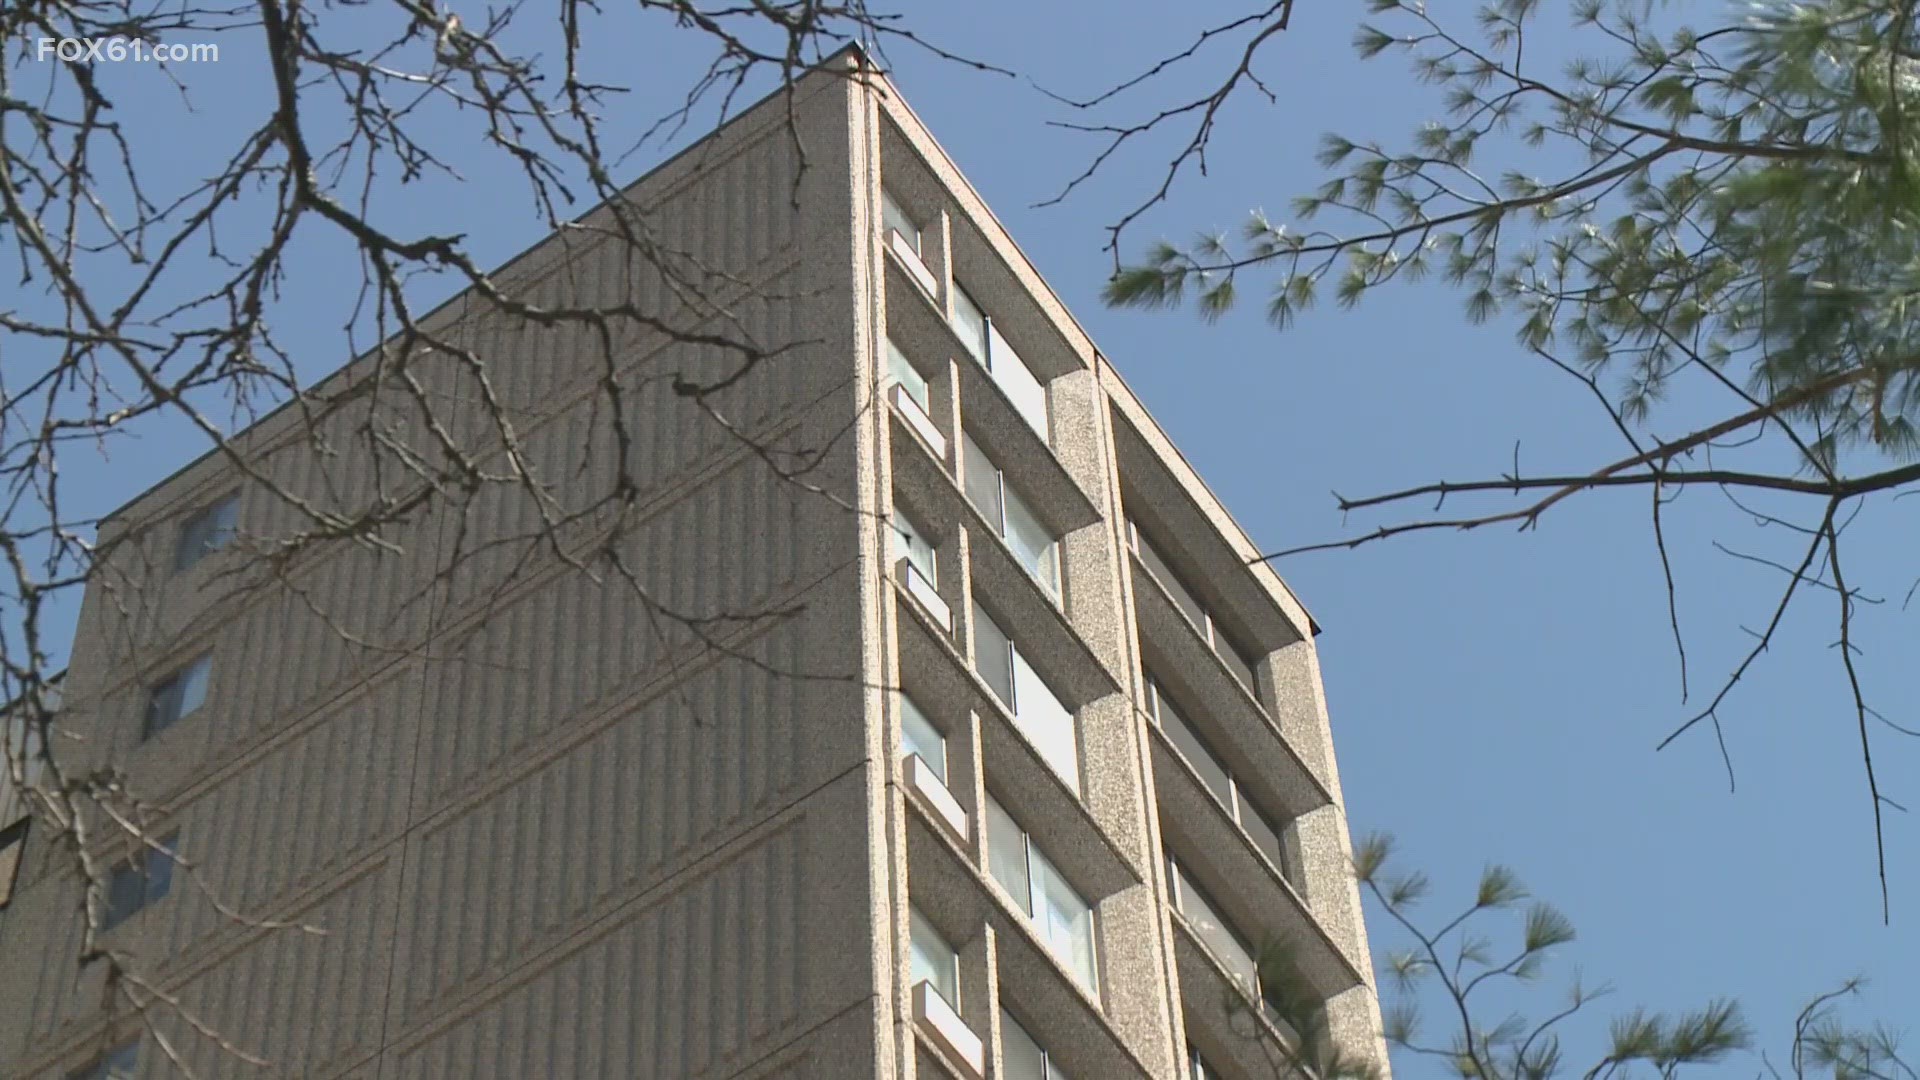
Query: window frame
(979, 349)
(1010, 1022)
(1035, 902)
(1029, 720)
(1020, 389)
(1199, 1068)
(1237, 803)
(1223, 641)
(1180, 880)
(108, 1066)
(1050, 577)
(913, 532)
(919, 929)
(191, 547)
(909, 710)
(893, 215)
(170, 695)
(900, 370)
(139, 862)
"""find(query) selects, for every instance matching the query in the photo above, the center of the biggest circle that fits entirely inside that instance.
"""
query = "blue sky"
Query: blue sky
(1495, 697)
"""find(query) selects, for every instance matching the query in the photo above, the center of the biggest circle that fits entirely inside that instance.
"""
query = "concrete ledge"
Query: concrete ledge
(919, 421)
(944, 1028)
(926, 784)
(910, 259)
(924, 593)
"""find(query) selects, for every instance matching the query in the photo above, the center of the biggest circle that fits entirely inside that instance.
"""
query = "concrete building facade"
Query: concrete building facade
(993, 755)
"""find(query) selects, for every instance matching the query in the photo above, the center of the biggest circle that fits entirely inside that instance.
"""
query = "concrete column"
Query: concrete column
(1134, 991)
(1291, 691)
(980, 990)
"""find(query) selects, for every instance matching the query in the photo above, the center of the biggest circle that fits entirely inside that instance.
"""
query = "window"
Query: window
(1025, 1059)
(13, 847)
(904, 239)
(896, 219)
(907, 389)
(971, 323)
(207, 530)
(919, 736)
(1269, 838)
(1012, 518)
(1238, 660)
(120, 1063)
(1221, 938)
(933, 960)
(901, 370)
(916, 569)
(910, 543)
(982, 339)
(1036, 710)
(141, 879)
(1213, 929)
(1197, 1066)
(177, 695)
(1063, 918)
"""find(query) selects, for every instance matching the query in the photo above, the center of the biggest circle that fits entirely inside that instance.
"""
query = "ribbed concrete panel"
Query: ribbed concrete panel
(287, 822)
(293, 818)
(843, 1048)
(282, 651)
(740, 210)
(609, 818)
(670, 439)
(307, 1003)
(307, 643)
(721, 224)
(338, 469)
(726, 963)
(533, 372)
(717, 212)
(572, 640)
(42, 986)
(369, 438)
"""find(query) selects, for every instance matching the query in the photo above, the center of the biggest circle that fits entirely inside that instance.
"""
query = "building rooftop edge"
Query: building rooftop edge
(861, 54)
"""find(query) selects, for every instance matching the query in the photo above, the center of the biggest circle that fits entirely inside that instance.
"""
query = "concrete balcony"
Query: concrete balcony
(1222, 1019)
(1258, 900)
(1235, 723)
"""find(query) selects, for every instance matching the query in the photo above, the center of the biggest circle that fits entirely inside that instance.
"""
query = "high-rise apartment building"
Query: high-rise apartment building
(991, 755)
